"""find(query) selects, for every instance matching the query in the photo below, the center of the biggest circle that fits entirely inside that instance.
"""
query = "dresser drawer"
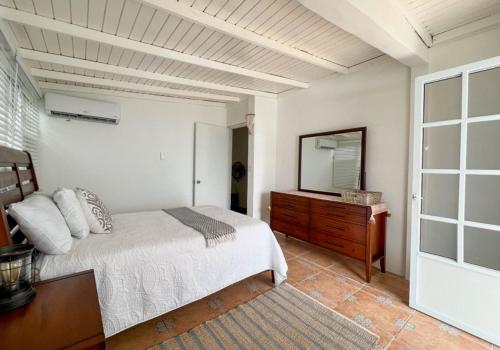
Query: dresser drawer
(339, 245)
(297, 231)
(285, 201)
(337, 228)
(341, 211)
(290, 216)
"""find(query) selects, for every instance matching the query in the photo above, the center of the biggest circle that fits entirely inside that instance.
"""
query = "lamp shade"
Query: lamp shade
(16, 276)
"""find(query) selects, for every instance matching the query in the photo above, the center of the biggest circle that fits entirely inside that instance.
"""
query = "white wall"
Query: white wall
(264, 155)
(377, 97)
(237, 112)
(466, 50)
(122, 163)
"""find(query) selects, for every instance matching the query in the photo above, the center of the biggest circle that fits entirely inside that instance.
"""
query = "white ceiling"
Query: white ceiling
(286, 22)
(439, 16)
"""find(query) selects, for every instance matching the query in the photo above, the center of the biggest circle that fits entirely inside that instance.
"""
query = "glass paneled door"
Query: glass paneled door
(455, 238)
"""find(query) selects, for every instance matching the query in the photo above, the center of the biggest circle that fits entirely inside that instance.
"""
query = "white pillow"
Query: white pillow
(96, 213)
(42, 224)
(72, 212)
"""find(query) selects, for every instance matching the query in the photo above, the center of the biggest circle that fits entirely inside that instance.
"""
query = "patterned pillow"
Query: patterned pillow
(96, 213)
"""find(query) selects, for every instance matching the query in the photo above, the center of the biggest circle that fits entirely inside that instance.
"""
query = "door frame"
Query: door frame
(249, 166)
(417, 172)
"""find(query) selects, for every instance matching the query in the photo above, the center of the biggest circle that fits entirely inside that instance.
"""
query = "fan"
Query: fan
(238, 171)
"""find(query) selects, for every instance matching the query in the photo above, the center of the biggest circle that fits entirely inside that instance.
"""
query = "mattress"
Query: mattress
(151, 263)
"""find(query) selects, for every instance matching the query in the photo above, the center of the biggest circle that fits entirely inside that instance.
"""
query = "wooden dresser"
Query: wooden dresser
(350, 229)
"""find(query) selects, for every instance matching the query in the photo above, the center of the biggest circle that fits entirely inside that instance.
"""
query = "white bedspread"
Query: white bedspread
(152, 263)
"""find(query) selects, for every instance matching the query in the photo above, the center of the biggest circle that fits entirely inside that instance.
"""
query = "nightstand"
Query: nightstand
(64, 314)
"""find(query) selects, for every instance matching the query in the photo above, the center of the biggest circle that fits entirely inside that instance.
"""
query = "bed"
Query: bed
(151, 263)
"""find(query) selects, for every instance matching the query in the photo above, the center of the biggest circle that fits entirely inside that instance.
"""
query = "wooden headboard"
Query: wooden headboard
(17, 180)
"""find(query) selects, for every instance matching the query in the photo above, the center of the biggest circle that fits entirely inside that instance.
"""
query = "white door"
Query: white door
(212, 163)
(455, 245)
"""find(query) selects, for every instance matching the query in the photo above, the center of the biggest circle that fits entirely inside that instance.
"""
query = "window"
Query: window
(460, 167)
(19, 113)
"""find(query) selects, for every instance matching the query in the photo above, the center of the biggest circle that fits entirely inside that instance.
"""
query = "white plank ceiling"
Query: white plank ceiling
(284, 21)
(439, 16)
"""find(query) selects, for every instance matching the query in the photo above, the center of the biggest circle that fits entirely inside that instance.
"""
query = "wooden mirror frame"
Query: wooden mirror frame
(344, 131)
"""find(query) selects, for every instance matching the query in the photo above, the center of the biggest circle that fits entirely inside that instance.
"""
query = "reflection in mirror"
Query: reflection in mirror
(331, 162)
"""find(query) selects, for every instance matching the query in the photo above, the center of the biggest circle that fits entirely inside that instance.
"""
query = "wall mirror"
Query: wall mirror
(330, 162)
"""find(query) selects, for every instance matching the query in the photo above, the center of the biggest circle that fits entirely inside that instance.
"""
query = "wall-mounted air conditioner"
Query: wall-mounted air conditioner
(326, 143)
(70, 107)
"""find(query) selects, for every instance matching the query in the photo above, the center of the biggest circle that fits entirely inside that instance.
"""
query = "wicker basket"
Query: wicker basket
(362, 197)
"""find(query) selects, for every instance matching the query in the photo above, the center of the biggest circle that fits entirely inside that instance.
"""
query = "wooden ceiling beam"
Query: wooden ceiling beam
(117, 93)
(48, 74)
(381, 23)
(108, 68)
(113, 40)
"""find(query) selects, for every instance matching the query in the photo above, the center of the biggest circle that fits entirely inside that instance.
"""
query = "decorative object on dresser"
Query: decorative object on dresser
(362, 197)
(329, 221)
(64, 314)
(16, 276)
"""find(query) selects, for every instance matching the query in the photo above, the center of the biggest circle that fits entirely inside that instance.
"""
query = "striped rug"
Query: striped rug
(282, 318)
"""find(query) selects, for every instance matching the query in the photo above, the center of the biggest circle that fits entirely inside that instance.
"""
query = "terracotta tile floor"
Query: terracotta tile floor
(333, 280)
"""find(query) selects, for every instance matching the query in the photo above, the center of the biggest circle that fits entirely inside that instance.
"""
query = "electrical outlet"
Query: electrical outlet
(162, 155)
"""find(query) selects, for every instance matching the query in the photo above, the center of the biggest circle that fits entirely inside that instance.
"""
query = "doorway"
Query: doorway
(239, 170)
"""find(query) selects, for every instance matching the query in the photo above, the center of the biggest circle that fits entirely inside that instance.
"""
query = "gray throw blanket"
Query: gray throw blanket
(214, 231)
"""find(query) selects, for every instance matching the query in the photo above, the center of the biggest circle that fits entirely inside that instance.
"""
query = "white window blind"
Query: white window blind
(19, 110)
(347, 165)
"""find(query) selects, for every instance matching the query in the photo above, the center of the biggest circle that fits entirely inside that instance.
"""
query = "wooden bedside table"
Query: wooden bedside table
(64, 314)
